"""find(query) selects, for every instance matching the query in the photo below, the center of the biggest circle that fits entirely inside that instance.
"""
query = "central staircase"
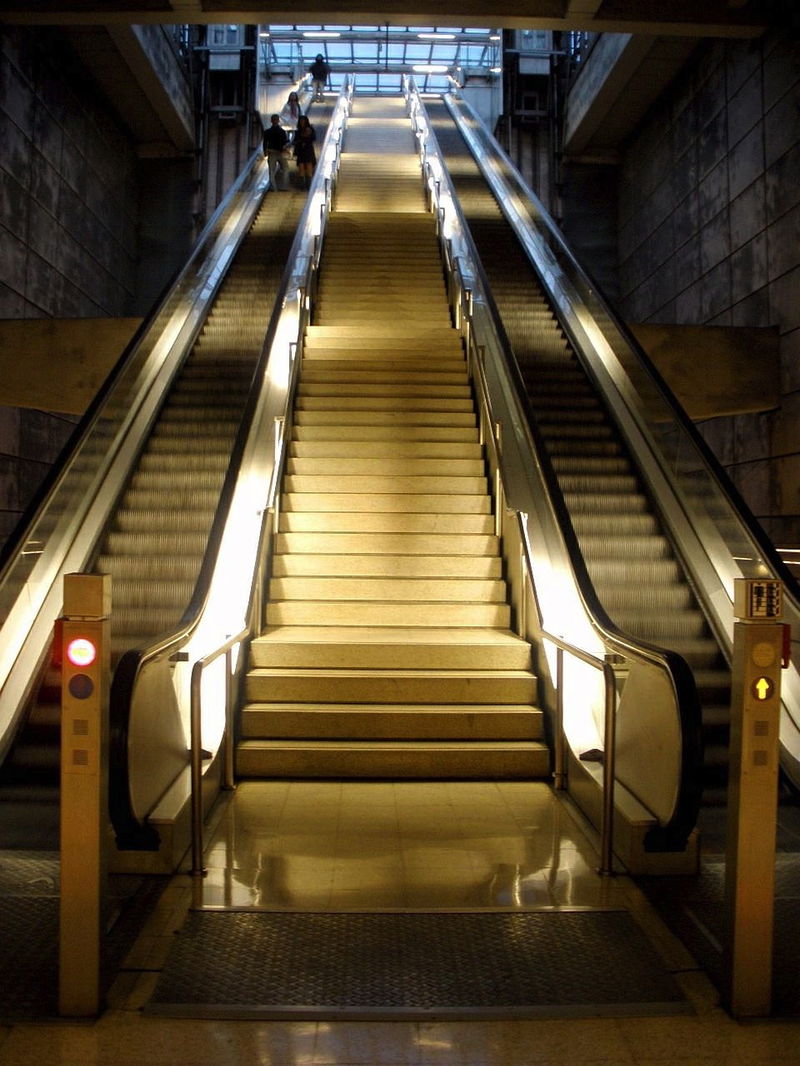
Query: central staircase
(387, 651)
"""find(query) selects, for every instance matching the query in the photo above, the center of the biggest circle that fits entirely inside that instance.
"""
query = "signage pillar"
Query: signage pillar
(753, 797)
(84, 769)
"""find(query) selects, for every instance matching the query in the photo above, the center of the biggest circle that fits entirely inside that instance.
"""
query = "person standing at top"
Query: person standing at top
(274, 143)
(319, 71)
(304, 149)
(291, 113)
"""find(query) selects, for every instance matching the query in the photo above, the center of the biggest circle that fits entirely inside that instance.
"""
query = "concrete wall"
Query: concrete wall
(588, 198)
(709, 233)
(68, 215)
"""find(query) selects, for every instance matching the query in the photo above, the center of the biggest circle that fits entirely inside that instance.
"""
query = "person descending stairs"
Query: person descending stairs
(387, 650)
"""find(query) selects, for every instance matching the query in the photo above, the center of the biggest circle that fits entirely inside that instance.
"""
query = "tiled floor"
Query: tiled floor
(401, 844)
(337, 845)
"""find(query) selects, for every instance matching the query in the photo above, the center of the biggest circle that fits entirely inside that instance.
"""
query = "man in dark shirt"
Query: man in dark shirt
(275, 141)
(319, 75)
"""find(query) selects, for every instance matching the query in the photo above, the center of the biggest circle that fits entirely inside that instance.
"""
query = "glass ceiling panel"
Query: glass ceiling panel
(385, 50)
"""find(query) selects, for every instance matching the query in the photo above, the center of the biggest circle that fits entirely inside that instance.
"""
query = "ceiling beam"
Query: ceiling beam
(696, 18)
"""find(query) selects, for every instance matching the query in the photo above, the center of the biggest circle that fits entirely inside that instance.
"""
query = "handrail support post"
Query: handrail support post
(609, 771)
(560, 753)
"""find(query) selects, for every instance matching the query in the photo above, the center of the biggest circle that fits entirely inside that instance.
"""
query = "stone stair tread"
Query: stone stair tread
(348, 672)
(339, 390)
(397, 502)
(454, 709)
(380, 531)
(328, 376)
(388, 449)
(359, 612)
(363, 363)
(366, 635)
(379, 484)
(389, 329)
(402, 721)
(336, 466)
(408, 566)
(399, 745)
(378, 588)
(387, 399)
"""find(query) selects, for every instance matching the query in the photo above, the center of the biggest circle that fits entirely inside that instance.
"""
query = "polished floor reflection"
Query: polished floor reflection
(332, 845)
(338, 845)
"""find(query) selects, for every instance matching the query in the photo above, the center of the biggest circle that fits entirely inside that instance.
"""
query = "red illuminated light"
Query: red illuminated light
(81, 652)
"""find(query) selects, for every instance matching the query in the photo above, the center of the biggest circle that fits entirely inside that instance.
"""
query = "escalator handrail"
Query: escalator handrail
(615, 640)
(131, 830)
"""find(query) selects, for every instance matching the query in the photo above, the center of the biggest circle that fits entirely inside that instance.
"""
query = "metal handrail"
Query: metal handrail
(196, 733)
(609, 740)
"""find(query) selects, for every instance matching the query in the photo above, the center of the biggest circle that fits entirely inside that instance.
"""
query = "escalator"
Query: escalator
(621, 537)
(661, 535)
(156, 542)
(165, 513)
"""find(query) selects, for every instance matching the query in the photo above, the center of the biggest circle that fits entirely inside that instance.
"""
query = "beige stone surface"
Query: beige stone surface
(59, 364)
(715, 370)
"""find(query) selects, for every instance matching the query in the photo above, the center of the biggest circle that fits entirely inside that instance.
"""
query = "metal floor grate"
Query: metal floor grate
(413, 965)
(29, 911)
(694, 909)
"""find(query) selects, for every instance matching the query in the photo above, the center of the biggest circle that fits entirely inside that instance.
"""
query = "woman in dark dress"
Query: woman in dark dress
(304, 153)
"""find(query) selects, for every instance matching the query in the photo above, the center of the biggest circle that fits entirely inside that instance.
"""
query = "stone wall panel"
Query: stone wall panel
(782, 184)
(15, 149)
(749, 268)
(746, 160)
(745, 108)
(748, 213)
(68, 216)
(712, 144)
(713, 193)
(753, 308)
(45, 183)
(752, 436)
(781, 69)
(746, 210)
(784, 299)
(715, 242)
(781, 128)
(790, 363)
(742, 60)
(12, 305)
(686, 220)
(13, 260)
(14, 203)
(783, 240)
(716, 293)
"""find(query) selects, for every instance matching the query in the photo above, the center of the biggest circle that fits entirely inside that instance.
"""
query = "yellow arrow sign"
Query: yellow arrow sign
(763, 687)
